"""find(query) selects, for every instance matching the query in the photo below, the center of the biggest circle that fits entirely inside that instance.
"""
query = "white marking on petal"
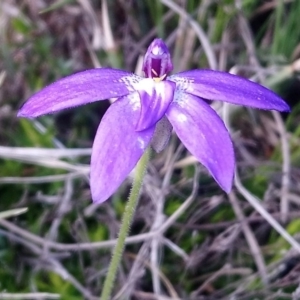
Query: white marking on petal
(178, 96)
(114, 92)
(181, 118)
(160, 89)
(182, 83)
(157, 50)
(141, 143)
(147, 85)
(131, 81)
(135, 101)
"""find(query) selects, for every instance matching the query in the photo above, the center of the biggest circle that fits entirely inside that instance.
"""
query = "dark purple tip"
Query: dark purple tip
(157, 60)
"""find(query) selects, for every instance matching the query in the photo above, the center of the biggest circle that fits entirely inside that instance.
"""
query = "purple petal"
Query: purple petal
(80, 88)
(214, 85)
(117, 147)
(203, 133)
(155, 99)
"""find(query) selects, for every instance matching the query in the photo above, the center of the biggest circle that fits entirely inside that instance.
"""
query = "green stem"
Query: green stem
(125, 225)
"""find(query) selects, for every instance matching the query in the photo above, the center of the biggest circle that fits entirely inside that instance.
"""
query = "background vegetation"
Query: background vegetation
(189, 240)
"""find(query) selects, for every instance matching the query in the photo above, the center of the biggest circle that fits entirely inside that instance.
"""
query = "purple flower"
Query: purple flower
(146, 111)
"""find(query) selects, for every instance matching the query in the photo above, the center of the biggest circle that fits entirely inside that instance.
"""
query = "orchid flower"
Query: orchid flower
(148, 108)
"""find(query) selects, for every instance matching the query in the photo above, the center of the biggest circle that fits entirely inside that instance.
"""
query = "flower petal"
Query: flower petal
(80, 88)
(155, 99)
(117, 147)
(204, 134)
(215, 85)
(162, 134)
(157, 60)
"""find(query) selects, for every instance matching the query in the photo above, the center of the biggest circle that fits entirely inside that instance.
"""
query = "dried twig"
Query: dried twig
(286, 167)
(30, 296)
(252, 242)
(198, 29)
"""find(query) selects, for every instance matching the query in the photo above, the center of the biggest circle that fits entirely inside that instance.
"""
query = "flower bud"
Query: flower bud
(157, 61)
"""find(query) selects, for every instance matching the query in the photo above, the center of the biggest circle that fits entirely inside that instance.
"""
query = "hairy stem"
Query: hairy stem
(125, 225)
